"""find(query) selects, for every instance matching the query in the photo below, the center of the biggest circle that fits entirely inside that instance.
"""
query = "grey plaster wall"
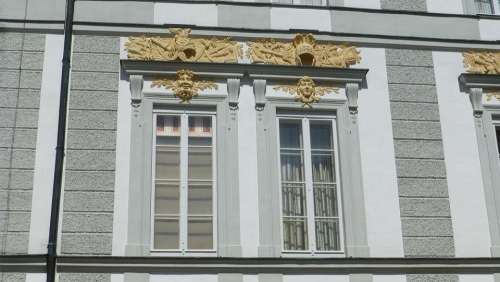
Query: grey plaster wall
(21, 63)
(411, 5)
(87, 224)
(424, 205)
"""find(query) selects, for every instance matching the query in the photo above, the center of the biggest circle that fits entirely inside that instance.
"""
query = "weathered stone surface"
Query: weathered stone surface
(94, 81)
(416, 130)
(9, 78)
(97, 44)
(31, 79)
(27, 118)
(25, 138)
(21, 179)
(96, 62)
(10, 59)
(429, 247)
(88, 201)
(23, 158)
(424, 149)
(421, 187)
(90, 160)
(34, 42)
(413, 93)
(410, 5)
(11, 40)
(8, 97)
(93, 100)
(406, 57)
(12, 277)
(432, 278)
(7, 117)
(81, 119)
(88, 222)
(420, 168)
(91, 139)
(85, 277)
(89, 180)
(16, 242)
(414, 111)
(426, 227)
(410, 75)
(18, 221)
(29, 98)
(86, 244)
(32, 60)
(428, 207)
(6, 135)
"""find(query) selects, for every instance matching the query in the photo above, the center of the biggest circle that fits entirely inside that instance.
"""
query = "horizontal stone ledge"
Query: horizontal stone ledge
(198, 265)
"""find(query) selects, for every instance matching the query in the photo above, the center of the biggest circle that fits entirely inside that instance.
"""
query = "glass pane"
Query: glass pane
(295, 234)
(291, 166)
(322, 166)
(200, 163)
(167, 198)
(200, 199)
(327, 235)
(168, 126)
(321, 135)
(498, 137)
(290, 134)
(325, 200)
(200, 126)
(294, 199)
(167, 163)
(166, 234)
(200, 233)
(484, 7)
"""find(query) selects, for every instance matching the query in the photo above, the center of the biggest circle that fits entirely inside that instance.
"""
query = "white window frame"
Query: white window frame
(311, 229)
(496, 124)
(183, 195)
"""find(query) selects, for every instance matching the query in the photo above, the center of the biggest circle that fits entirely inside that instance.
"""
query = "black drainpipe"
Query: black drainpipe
(61, 139)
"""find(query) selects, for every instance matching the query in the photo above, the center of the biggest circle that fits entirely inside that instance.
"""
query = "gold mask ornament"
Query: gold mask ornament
(185, 85)
(306, 91)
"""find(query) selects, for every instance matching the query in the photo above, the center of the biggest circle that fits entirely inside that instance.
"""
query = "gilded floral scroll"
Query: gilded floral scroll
(185, 85)
(303, 51)
(181, 47)
(484, 62)
(306, 91)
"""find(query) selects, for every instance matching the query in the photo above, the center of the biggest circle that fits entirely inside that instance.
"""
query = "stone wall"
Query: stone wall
(90, 160)
(423, 190)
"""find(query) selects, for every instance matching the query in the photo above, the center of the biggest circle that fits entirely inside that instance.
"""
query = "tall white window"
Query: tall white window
(183, 202)
(310, 192)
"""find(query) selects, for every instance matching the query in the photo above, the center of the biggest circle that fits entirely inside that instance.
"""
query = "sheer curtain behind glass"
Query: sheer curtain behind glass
(308, 182)
(484, 6)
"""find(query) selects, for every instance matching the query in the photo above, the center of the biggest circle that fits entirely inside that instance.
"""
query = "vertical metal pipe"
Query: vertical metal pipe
(61, 139)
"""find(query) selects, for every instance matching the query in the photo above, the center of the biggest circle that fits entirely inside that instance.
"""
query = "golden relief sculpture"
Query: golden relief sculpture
(185, 85)
(181, 47)
(303, 51)
(483, 62)
(306, 91)
(492, 94)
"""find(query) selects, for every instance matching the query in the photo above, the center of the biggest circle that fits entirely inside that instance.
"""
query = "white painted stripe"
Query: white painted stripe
(476, 278)
(38, 277)
(369, 4)
(465, 185)
(249, 198)
(316, 278)
(378, 159)
(120, 213)
(445, 6)
(183, 278)
(45, 144)
(389, 278)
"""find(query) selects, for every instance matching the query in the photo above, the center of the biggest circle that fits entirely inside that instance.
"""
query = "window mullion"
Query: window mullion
(309, 185)
(183, 220)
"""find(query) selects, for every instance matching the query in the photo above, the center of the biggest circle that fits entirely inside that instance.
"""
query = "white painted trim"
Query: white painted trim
(122, 167)
(45, 144)
(465, 184)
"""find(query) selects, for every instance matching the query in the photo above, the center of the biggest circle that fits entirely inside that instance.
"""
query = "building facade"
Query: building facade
(253, 141)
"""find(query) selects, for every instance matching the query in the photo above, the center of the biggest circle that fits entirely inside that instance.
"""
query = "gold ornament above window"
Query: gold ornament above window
(482, 62)
(185, 85)
(306, 91)
(181, 47)
(490, 94)
(303, 51)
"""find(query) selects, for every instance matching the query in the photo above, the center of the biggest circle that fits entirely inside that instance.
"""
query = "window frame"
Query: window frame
(183, 190)
(305, 119)
(496, 126)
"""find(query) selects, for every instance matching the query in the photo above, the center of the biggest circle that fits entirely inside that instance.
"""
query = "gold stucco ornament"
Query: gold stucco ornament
(185, 85)
(181, 47)
(306, 91)
(490, 94)
(303, 51)
(482, 62)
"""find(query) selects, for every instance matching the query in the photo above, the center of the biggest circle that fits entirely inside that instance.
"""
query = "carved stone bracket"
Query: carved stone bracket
(259, 90)
(476, 85)
(352, 91)
(233, 92)
(136, 85)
